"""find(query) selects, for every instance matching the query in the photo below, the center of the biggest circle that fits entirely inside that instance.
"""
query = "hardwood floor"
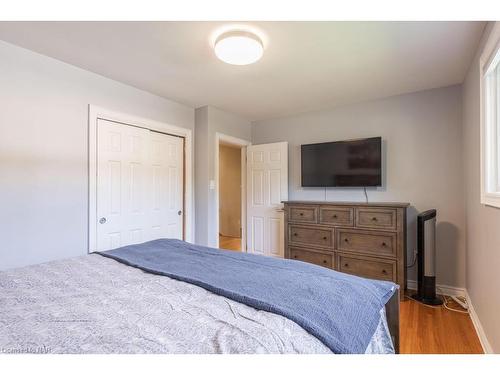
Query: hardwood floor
(230, 243)
(431, 330)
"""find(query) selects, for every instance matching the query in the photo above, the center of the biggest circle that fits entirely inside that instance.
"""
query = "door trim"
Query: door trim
(98, 113)
(242, 143)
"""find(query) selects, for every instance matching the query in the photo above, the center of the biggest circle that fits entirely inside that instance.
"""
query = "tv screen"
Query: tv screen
(354, 163)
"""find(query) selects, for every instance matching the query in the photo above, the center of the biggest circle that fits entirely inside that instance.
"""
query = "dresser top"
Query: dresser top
(335, 203)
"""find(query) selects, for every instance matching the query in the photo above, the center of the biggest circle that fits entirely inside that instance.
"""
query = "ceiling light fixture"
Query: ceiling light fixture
(238, 47)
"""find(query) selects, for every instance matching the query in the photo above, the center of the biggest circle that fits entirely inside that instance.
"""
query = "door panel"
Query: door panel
(267, 171)
(115, 177)
(139, 185)
(257, 234)
(275, 237)
(257, 187)
(275, 187)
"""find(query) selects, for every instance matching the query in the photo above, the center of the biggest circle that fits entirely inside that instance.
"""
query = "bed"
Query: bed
(104, 303)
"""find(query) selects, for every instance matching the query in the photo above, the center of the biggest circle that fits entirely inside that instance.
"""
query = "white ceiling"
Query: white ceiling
(306, 65)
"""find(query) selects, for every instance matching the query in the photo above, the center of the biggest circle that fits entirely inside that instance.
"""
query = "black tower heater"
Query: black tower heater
(426, 247)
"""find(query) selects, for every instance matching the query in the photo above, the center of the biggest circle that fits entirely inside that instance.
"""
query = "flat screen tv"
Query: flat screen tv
(353, 163)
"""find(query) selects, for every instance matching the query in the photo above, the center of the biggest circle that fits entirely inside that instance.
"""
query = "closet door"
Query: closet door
(167, 186)
(139, 185)
(122, 168)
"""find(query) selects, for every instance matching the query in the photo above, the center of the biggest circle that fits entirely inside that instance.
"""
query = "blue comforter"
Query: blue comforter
(341, 310)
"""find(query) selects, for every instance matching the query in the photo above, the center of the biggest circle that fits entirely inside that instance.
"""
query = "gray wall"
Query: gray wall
(209, 121)
(422, 161)
(43, 151)
(201, 174)
(483, 222)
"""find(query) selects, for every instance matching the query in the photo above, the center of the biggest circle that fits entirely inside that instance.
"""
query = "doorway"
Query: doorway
(230, 228)
(231, 192)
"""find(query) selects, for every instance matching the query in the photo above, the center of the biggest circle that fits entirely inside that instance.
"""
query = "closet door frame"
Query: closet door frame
(96, 113)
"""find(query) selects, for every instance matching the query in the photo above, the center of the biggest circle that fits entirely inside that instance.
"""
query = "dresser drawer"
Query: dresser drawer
(342, 216)
(381, 218)
(303, 214)
(311, 236)
(368, 267)
(315, 257)
(367, 242)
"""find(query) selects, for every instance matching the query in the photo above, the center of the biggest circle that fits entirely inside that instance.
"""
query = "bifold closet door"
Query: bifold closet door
(139, 185)
(167, 184)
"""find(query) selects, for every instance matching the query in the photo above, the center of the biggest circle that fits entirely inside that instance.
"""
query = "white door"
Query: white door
(139, 181)
(167, 183)
(267, 187)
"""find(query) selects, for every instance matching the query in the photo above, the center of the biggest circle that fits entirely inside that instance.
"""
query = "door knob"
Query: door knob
(102, 220)
(179, 212)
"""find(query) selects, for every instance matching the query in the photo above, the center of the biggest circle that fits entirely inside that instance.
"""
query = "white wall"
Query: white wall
(209, 121)
(421, 135)
(43, 151)
(483, 222)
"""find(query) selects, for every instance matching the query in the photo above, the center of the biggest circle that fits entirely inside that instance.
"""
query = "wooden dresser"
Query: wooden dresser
(364, 239)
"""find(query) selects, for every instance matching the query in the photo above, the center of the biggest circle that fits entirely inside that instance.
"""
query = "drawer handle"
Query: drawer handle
(346, 265)
(346, 239)
(374, 219)
(384, 272)
(295, 234)
(384, 244)
(334, 216)
(325, 238)
(295, 256)
(325, 262)
(301, 214)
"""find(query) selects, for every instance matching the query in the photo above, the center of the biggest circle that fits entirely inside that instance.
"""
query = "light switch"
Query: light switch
(211, 185)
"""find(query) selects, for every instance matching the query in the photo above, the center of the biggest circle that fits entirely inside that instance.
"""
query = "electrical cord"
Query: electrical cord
(413, 261)
(445, 303)
(366, 195)
(423, 304)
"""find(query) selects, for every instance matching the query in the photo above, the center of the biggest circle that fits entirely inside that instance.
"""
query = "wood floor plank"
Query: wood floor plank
(230, 243)
(436, 330)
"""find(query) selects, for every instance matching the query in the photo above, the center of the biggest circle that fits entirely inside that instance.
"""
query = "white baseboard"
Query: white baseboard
(445, 289)
(478, 326)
